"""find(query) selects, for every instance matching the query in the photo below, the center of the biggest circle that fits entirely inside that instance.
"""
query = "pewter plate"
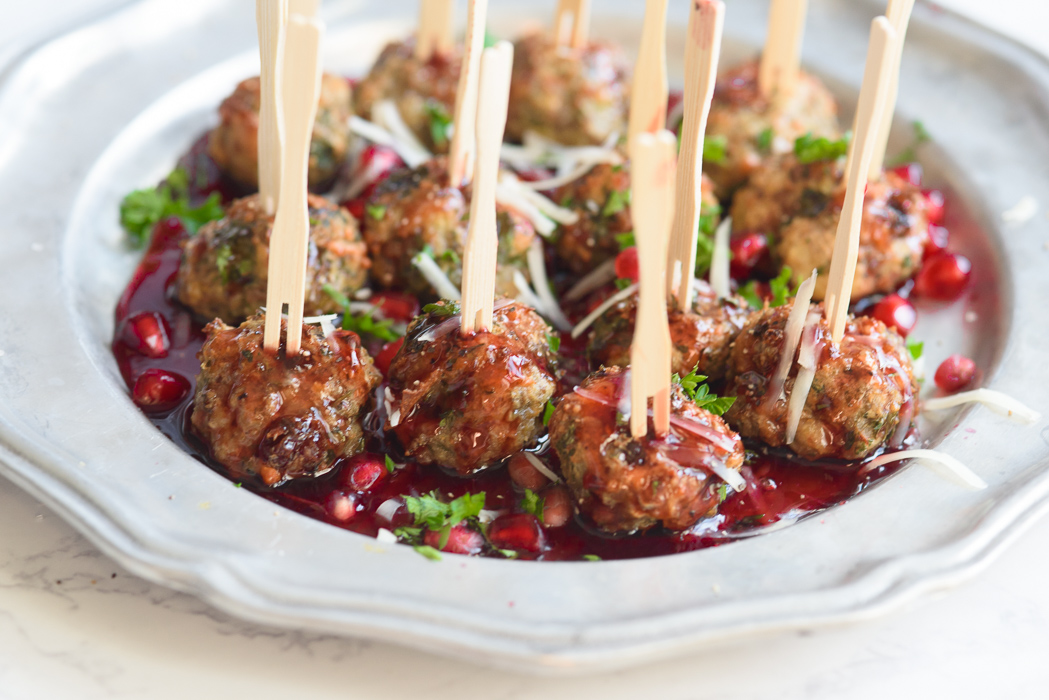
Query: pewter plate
(105, 109)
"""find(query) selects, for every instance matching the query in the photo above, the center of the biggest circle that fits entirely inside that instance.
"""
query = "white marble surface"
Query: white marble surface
(75, 625)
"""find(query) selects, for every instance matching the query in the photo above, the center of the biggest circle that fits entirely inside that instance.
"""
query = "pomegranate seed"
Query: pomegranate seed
(747, 251)
(157, 390)
(377, 162)
(461, 540)
(934, 204)
(169, 229)
(517, 531)
(147, 334)
(557, 506)
(396, 306)
(341, 506)
(954, 373)
(627, 266)
(363, 471)
(385, 357)
(896, 312)
(524, 474)
(911, 172)
(356, 207)
(943, 277)
(939, 237)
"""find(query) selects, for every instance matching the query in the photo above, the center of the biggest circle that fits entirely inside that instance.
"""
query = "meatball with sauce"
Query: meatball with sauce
(233, 144)
(278, 418)
(862, 396)
(576, 97)
(700, 338)
(602, 200)
(416, 211)
(423, 91)
(624, 484)
(754, 127)
(799, 205)
(466, 403)
(226, 265)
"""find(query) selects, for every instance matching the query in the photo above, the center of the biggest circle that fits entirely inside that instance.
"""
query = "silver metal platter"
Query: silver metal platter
(108, 108)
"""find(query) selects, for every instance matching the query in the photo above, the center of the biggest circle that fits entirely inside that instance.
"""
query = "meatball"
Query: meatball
(466, 403)
(424, 91)
(576, 97)
(624, 484)
(602, 200)
(225, 266)
(745, 120)
(701, 338)
(861, 387)
(279, 418)
(233, 144)
(416, 210)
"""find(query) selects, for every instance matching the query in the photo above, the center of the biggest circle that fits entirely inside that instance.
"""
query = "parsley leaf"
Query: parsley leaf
(698, 392)
(708, 221)
(531, 503)
(780, 287)
(809, 149)
(222, 258)
(910, 154)
(443, 310)
(376, 211)
(440, 122)
(554, 341)
(141, 210)
(714, 149)
(623, 283)
(591, 557)
(428, 552)
(916, 350)
(490, 39)
(437, 515)
(390, 465)
(362, 323)
(626, 240)
(617, 201)
(548, 412)
(749, 292)
(764, 140)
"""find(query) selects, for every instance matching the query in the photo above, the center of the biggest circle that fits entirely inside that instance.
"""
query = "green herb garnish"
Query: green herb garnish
(764, 140)
(617, 201)
(390, 465)
(626, 240)
(442, 310)
(780, 287)
(428, 552)
(708, 221)
(376, 211)
(916, 349)
(809, 149)
(554, 341)
(910, 154)
(591, 557)
(362, 324)
(714, 149)
(440, 122)
(531, 503)
(695, 388)
(142, 209)
(548, 412)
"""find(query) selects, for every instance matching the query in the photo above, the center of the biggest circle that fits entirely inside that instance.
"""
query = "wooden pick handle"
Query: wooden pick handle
(479, 256)
(435, 33)
(652, 203)
(706, 22)
(900, 17)
(781, 59)
(464, 138)
(648, 92)
(874, 93)
(291, 228)
(270, 18)
(572, 23)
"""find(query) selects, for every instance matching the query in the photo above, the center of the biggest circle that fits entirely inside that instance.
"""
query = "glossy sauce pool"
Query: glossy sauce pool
(779, 491)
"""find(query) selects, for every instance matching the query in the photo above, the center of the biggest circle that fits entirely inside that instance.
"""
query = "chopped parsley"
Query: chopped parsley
(531, 503)
(617, 201)
(390, 465)
(141, 210)
(440, 122)
(362, 324)
(714, 149)
(554, 341)
(548, 412)
(442, 310)
(916, 350)
(626, 240)
(809, 149)
(749, 292)
(591, 557)
(764, 140)
(222, 258)
(910, 154)
(708, 223)
(695, 388)
(376, 211)
(722, 492)
(779, 288)
(622, 284)
(428, 552)
(490, 39)
(437, 516)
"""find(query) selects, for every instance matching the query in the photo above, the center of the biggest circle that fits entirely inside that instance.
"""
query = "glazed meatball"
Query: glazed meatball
(744, 119)
(624, 484)
(278, 418)
(233, 144)
(576, 97)
(225, 266)
(466, 403)
(415, 210)
(861, 389)
(602, 200)
(700, 338)
(424, 91)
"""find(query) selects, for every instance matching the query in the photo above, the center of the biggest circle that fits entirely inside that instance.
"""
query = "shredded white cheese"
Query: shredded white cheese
(995, 400)
(569, 162)
(387, 509)
(393, 413)
(326, 322)
(598, 277)
(525, 293)
(729, 476)
(799, 393)
(608, 304)
(411, 151)
(1025, 210)
(792, 336)
(436, 277)
(719, 261)
(542, 468)
(943, 464)
(537, 269)
(385, 536)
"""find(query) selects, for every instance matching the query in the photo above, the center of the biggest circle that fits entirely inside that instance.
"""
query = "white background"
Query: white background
(74, 625)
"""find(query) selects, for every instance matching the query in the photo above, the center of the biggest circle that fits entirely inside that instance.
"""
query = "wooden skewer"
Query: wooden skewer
(648, 93)
(781, 59)
(307, 8)
(871, 107)
(465, 118)
(652, 202)
(899, 14)
(706, 21)
(291, 227)
(270, 17)
(572, 23)
(479, 257)
(435, 29)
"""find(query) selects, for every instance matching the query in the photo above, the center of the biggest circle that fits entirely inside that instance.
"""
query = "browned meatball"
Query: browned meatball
(466, 403)
(225, 266)
(233, 144)
(701, 337)
(860, 389)
(602, 200)
(277, 418)
(573, 96)
(782, 188)
(424, 91)
(741, 116)
(625, 484)
(416, 210)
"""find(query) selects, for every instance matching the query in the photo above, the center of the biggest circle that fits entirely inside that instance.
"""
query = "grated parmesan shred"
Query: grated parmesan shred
(998, 402)
(599, 311)
(943, 464)
(537, 269)
(429, 269)
(542, 468)
(719, 262)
